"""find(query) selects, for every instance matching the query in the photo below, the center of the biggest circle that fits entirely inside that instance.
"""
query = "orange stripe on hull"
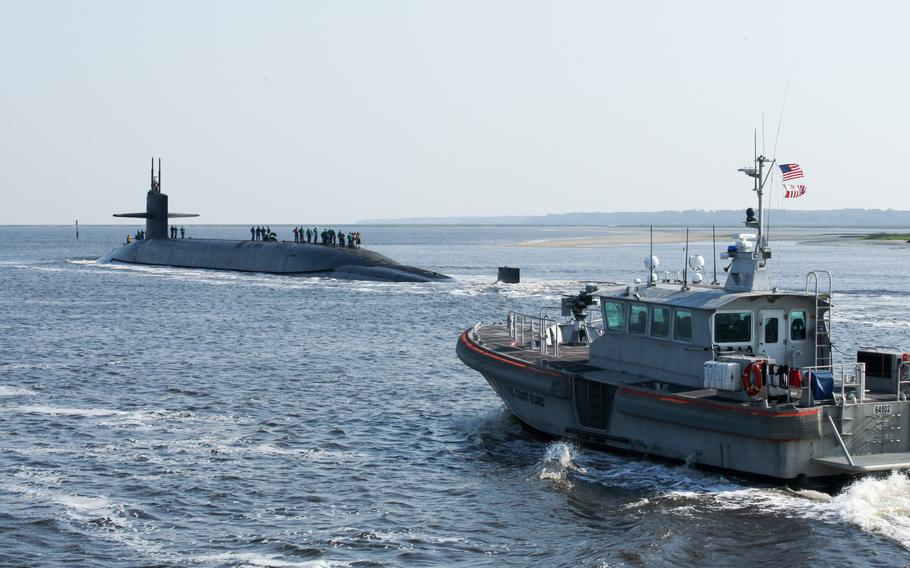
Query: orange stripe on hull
(717, 406)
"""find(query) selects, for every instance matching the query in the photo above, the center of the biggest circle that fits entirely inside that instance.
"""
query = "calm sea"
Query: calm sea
(156, 416)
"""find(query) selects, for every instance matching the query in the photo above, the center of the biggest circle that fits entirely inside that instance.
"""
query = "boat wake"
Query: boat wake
(876, 505)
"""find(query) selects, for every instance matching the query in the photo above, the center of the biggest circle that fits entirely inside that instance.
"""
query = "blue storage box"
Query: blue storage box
(822, 384)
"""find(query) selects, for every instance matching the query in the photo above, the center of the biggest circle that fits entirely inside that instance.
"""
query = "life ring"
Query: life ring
(752, 377)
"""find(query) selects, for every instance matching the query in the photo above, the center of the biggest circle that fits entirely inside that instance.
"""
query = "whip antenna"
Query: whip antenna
(780, 120)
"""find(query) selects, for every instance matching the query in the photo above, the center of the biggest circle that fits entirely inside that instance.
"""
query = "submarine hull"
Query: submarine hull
(270, 257)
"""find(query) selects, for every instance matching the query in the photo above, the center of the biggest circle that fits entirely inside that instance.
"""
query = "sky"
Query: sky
(330, 112)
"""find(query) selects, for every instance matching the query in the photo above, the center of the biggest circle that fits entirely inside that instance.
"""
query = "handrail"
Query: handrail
(814, 276)
(535, 327)
(526, 329)
(840, 441)
(853, 374)
(822, 314)
(902, 371)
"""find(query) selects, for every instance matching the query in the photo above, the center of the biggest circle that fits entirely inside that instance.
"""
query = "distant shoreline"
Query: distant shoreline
(790, 218)
(664, 236)
(888, 237)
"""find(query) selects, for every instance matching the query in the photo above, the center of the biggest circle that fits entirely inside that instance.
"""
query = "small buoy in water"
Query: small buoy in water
(508, 275)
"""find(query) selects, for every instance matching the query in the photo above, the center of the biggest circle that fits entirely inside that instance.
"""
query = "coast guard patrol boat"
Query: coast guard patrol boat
(737, 376)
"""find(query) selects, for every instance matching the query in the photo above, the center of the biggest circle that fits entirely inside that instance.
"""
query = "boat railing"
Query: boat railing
(849, 379)
(595, 323)
(531, 331)
(902, 382)
(544, 332)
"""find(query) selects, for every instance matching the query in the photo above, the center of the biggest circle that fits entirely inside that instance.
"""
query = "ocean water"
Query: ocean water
(154, 416)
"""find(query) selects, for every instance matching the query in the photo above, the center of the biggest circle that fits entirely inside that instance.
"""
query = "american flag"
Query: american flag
(791, 171)
(794, 191)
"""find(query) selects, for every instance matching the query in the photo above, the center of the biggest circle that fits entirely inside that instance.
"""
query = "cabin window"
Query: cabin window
(771, 330)
(660, 322)
(613, 316)
(638, 319)
(682, 325)
(733, 327)
(798, 325)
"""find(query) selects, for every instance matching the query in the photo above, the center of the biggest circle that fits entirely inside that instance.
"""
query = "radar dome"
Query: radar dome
(652, 262)
(696, 261)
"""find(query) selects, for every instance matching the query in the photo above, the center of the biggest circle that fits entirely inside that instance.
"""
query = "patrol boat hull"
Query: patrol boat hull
(569, 399)
(270, 257)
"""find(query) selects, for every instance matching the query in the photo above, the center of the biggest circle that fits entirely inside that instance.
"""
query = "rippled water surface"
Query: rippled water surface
(157, 416)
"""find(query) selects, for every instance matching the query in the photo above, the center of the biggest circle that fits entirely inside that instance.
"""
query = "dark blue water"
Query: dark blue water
(169, 417)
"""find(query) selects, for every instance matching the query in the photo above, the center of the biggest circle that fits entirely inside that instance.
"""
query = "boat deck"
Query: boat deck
(572, 358)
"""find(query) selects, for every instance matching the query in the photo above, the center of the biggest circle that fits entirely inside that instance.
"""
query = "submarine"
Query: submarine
(271, 257)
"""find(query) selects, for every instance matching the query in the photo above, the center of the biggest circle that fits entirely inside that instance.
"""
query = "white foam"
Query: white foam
(99, 515)
(542, 291)
(76, 507)
(85, 507)
(253, 559)
(311, 454)
(643, 502)
(558, 463)
(12, 391)
(65, 411)
(878, 505)
(40, 476)
(132, 419)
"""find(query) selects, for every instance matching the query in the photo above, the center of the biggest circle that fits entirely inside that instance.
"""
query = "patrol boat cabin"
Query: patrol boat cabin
(738, 376)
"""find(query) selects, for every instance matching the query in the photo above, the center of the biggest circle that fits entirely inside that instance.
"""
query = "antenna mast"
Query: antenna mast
(757, 173)
(759, 162)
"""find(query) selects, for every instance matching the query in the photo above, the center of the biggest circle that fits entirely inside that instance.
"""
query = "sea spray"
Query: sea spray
(878, 505)
(558, 463)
